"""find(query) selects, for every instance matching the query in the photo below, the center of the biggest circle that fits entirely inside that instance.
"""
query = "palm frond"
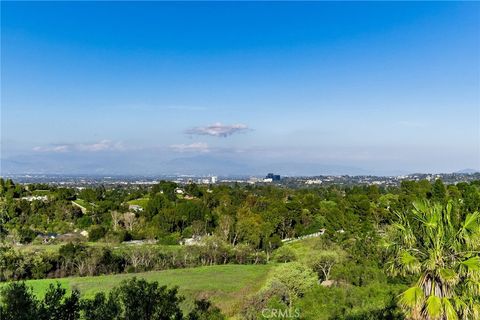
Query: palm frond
(472, 264)
(412, 297)
(409, 262)
(449, 310)
(434, 307)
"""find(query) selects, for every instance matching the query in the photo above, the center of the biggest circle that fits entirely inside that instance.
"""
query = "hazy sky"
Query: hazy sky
(300, 88)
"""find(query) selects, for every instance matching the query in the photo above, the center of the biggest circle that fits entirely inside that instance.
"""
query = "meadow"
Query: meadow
(142, 202)
(226, 286)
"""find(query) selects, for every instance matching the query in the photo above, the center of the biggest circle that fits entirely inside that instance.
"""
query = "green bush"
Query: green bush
(171, 239)
(84, 222)
(373, 302)
(96, 232)
(295, 277)
(284, 254)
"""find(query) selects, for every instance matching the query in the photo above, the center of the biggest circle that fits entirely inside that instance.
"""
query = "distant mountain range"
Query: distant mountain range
(467, 171)
(207, 164)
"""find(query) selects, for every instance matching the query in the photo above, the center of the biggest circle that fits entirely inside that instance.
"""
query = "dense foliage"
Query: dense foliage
(375, 253)
(134, 299)
(259, 216)
(441, 246)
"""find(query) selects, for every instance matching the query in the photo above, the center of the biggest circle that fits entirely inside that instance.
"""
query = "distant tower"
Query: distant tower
(214, 179)
(274, 177)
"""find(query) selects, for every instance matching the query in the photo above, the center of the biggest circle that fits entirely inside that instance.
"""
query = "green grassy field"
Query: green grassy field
(142, 202)
(304, 248)
(84, 204)
(41, 192)
(226, 286)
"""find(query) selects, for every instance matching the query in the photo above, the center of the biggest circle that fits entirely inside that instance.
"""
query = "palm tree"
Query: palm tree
(436, 244)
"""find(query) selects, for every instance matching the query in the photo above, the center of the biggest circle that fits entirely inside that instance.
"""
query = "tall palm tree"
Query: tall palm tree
(436, 244)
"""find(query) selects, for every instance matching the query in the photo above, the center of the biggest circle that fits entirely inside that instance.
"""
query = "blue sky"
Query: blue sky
(299, 88)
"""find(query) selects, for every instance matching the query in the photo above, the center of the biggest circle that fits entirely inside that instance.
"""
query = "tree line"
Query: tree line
(133, 299)
(259, 216)
(79, 259)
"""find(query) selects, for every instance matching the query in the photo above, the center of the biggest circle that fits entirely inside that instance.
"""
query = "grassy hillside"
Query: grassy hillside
(225, 285)
(142, 202)
(41, 192)
(84, 205)
(304, 248)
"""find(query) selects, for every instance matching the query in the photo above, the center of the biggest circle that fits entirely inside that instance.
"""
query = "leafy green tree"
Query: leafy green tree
(71, 306)
(193, 190)
(167, 188)
(471, 198)
(65, 194)
(56, 306)
(101, 307)
(444, 256)
(322, 262)
(2, 187)
(295, 277)
(18, 302)
(155, 205)
(249, 226)
(188, 212)
(439, 191)
(26, 235)
(284, 254)
(144, 300)
(96, 232)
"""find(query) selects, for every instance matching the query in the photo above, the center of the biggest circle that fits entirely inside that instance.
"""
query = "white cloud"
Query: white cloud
(218, 130)
(103, 145)
(53, 148)
(193, 147)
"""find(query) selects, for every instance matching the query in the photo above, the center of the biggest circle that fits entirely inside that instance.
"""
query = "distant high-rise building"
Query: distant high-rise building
(274, 177)
(214, 179)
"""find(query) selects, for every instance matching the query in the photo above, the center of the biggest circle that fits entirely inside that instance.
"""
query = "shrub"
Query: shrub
(297, 278)
(204, 310)
(84, 222)
(284, 254)
(171, 239)
(96, 232)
